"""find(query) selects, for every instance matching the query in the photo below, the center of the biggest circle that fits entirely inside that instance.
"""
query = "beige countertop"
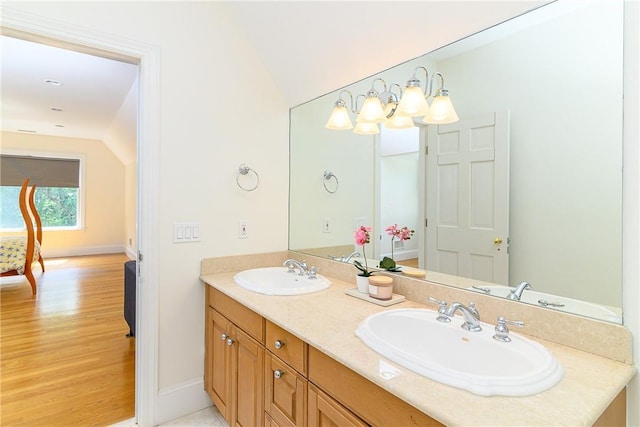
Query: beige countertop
(327, 320)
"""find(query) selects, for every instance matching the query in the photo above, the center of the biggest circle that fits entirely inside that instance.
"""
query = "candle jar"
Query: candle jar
(381, 287)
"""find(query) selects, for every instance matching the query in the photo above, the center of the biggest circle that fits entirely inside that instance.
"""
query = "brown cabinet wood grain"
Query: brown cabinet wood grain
(616, 413)
(287, 347)
(218, 359)
(367, 400)
(323, 411)
(285, 393)
(247, 394)
(234, 361)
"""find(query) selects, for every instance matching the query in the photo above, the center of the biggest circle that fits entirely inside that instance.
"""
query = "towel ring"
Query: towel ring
(244, 170)
(327, 175)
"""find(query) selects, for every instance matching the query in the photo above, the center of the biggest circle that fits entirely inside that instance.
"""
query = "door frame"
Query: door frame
(147, 57)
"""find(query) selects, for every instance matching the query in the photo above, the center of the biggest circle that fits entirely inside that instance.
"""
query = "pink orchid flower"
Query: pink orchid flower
(362, 236)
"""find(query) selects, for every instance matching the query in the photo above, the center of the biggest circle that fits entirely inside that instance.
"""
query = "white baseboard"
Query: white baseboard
(131, 253)
(80, 251)
(184, 399)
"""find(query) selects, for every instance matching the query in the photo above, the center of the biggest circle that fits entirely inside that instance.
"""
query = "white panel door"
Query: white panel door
(468, 198)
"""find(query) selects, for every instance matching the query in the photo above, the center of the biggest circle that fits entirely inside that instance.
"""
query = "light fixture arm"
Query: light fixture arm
(374, 83)
(414, 82)
(442, 90)
(341, 102)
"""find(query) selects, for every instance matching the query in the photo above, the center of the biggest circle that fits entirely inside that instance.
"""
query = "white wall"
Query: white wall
(103, 192)
(122, 140)
(207, 72)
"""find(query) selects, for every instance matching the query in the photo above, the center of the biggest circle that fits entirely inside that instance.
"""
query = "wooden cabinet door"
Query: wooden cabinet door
(323, 411)
(248, 386)
(218, 358)
(285, 393)
(268, 421)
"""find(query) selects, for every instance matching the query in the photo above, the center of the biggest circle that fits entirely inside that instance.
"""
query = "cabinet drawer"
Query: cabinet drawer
(367, 400)
(324, 411)
(287, 347)
(251, 322)
(285, 393)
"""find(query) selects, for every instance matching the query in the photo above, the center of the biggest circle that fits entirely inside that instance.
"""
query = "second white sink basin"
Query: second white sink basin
(276, 281)
(472, 361)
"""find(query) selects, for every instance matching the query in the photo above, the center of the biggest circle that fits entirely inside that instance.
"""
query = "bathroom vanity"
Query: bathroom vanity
(295, 360)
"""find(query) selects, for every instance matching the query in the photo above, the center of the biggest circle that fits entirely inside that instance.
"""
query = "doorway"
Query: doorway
(40, 29)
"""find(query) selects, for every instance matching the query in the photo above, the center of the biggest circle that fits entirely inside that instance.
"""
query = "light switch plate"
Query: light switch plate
(186, 232)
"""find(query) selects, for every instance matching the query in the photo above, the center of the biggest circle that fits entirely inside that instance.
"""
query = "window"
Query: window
(57, 193)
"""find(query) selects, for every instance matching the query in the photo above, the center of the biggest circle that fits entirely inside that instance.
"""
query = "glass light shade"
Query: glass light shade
(339, 119)
(372, 111)
(413, 103)
(398, 122)
(441, 111)
(364, 128)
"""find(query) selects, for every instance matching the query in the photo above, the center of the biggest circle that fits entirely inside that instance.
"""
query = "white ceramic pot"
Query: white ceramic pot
(363, 284)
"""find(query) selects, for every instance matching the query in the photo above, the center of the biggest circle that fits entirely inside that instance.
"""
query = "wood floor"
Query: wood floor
(65, 360)
(413, 262)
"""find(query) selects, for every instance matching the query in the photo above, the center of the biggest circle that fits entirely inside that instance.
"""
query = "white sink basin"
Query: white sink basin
(555, 302)
(472, 361)
(277, 281)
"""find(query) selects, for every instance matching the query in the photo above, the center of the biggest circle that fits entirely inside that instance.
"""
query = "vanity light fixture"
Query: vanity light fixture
(414, 101)
(441, 110)
(364, 128)
(372, 110)
(394, 111)
(339, 118)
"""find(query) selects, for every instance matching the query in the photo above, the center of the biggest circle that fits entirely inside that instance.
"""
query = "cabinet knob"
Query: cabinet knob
(229, 341)
(223, 337)
(278, 373)
(278, 344)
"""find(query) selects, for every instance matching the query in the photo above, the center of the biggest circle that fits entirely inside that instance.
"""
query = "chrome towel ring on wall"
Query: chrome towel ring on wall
(244, 170)
(327, 175)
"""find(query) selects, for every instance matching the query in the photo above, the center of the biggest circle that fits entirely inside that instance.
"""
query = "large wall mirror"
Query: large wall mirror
(552, 79)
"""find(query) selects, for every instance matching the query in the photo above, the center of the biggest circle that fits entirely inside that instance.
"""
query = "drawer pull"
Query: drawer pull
(278, 373)
(223, 337)
(278, 344)
(229, 341)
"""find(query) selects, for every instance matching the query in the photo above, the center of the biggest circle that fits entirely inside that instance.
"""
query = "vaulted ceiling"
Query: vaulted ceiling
(309, 48)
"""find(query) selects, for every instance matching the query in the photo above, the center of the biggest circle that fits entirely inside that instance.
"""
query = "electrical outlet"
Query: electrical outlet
(326, 225)
(243, 231)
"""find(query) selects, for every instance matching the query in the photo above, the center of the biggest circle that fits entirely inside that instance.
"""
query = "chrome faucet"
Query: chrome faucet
(470, 314)
(354, 254)
(516, 293)
(292, 263)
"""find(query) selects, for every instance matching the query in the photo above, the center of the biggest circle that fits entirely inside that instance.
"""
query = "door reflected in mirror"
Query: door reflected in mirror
(554, 76)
